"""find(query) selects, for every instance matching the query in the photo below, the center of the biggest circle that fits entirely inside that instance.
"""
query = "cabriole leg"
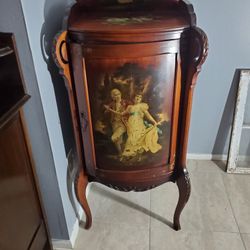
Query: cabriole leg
(80, 189)
(184, 186)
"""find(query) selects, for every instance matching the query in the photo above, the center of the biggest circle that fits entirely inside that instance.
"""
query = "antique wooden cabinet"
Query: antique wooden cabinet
(130, 67)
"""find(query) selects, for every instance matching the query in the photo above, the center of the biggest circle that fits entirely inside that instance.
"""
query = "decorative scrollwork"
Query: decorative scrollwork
(58, 41)
(130, 188)
(187, 181)
(183, 183)
(60, 56)
(201, 41)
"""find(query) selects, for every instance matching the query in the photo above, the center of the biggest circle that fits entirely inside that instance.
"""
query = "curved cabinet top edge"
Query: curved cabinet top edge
(139, 21)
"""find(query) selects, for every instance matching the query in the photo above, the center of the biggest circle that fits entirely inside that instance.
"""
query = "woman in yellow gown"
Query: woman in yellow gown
(140, 138)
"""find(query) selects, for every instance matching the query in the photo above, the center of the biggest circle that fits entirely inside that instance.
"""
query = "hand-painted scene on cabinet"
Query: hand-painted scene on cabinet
(131, 115)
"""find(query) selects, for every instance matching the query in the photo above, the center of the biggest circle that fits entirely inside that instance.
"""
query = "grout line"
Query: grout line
(204, 231)
(243, 242)
(241, 236)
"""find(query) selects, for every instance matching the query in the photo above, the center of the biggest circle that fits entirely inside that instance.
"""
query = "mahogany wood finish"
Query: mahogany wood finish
(158, 43)
(81, 182)
(21, 214)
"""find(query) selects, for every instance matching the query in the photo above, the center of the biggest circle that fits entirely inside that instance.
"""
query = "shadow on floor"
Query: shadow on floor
(221, 164)
(130, 204)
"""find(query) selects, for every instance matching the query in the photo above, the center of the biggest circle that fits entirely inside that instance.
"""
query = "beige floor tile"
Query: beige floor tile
(107, 236)
(246, 239)
(206, 166)
(111, 206)
(208, 208)
(163, 202)
(162, 238)
(121, 220)
(238, 189)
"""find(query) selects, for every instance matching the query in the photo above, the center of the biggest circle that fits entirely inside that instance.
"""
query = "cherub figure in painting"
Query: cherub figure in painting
(117, 121)
(140, 137)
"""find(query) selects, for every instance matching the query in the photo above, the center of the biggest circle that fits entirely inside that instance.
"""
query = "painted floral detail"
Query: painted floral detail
(128, 20)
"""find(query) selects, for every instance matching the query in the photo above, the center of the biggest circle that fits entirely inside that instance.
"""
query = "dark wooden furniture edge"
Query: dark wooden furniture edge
(198, 47)
(44, 224)
(60, 55)
(13, 110)
(198, 54)
(16, 112)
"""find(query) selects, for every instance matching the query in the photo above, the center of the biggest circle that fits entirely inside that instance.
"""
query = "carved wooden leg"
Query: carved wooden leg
(183, 183)
(80, 190)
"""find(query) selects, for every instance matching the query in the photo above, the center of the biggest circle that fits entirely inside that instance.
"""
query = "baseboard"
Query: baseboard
(69, 244)
(76, 229)
(61, 244)
(211, 157)
(243, 158)
(207, 157)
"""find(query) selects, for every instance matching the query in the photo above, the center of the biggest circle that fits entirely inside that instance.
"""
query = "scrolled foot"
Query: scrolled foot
(184, 186)
(80, 190)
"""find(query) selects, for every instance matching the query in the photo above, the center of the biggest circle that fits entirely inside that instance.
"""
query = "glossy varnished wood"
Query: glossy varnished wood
(130, 50)
(12, 89)
(61, 58)
(94, 45)
(21, 213)
(198, 50)
(20, 209)
(88, 22)
(93, 26)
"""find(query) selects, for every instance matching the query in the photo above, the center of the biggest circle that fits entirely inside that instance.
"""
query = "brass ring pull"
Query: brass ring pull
(65, 61)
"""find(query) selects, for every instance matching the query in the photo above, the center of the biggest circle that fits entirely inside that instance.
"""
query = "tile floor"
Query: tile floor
(217, 215)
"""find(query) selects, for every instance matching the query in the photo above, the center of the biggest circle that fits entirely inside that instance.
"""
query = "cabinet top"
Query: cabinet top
(123, 2)
(127, 22)
(131, 18)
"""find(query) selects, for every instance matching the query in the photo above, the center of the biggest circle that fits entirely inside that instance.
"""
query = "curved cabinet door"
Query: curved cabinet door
(126, 95)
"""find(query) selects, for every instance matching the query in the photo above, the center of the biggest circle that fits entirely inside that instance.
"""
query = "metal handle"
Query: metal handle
(65, 61)
(5, 51)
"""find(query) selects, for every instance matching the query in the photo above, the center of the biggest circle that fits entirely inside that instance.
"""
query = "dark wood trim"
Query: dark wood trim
(188, 8)
(184, 187)
(198, 50)
(17, 165)
(66, 70)
(13, 110)
(44, 224)
(136, 175)
(175, 115)
(124, 38)
(130, 50)
(84, 109)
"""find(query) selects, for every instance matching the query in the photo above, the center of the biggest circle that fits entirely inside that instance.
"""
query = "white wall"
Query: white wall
(226, 23)
(39, 25)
